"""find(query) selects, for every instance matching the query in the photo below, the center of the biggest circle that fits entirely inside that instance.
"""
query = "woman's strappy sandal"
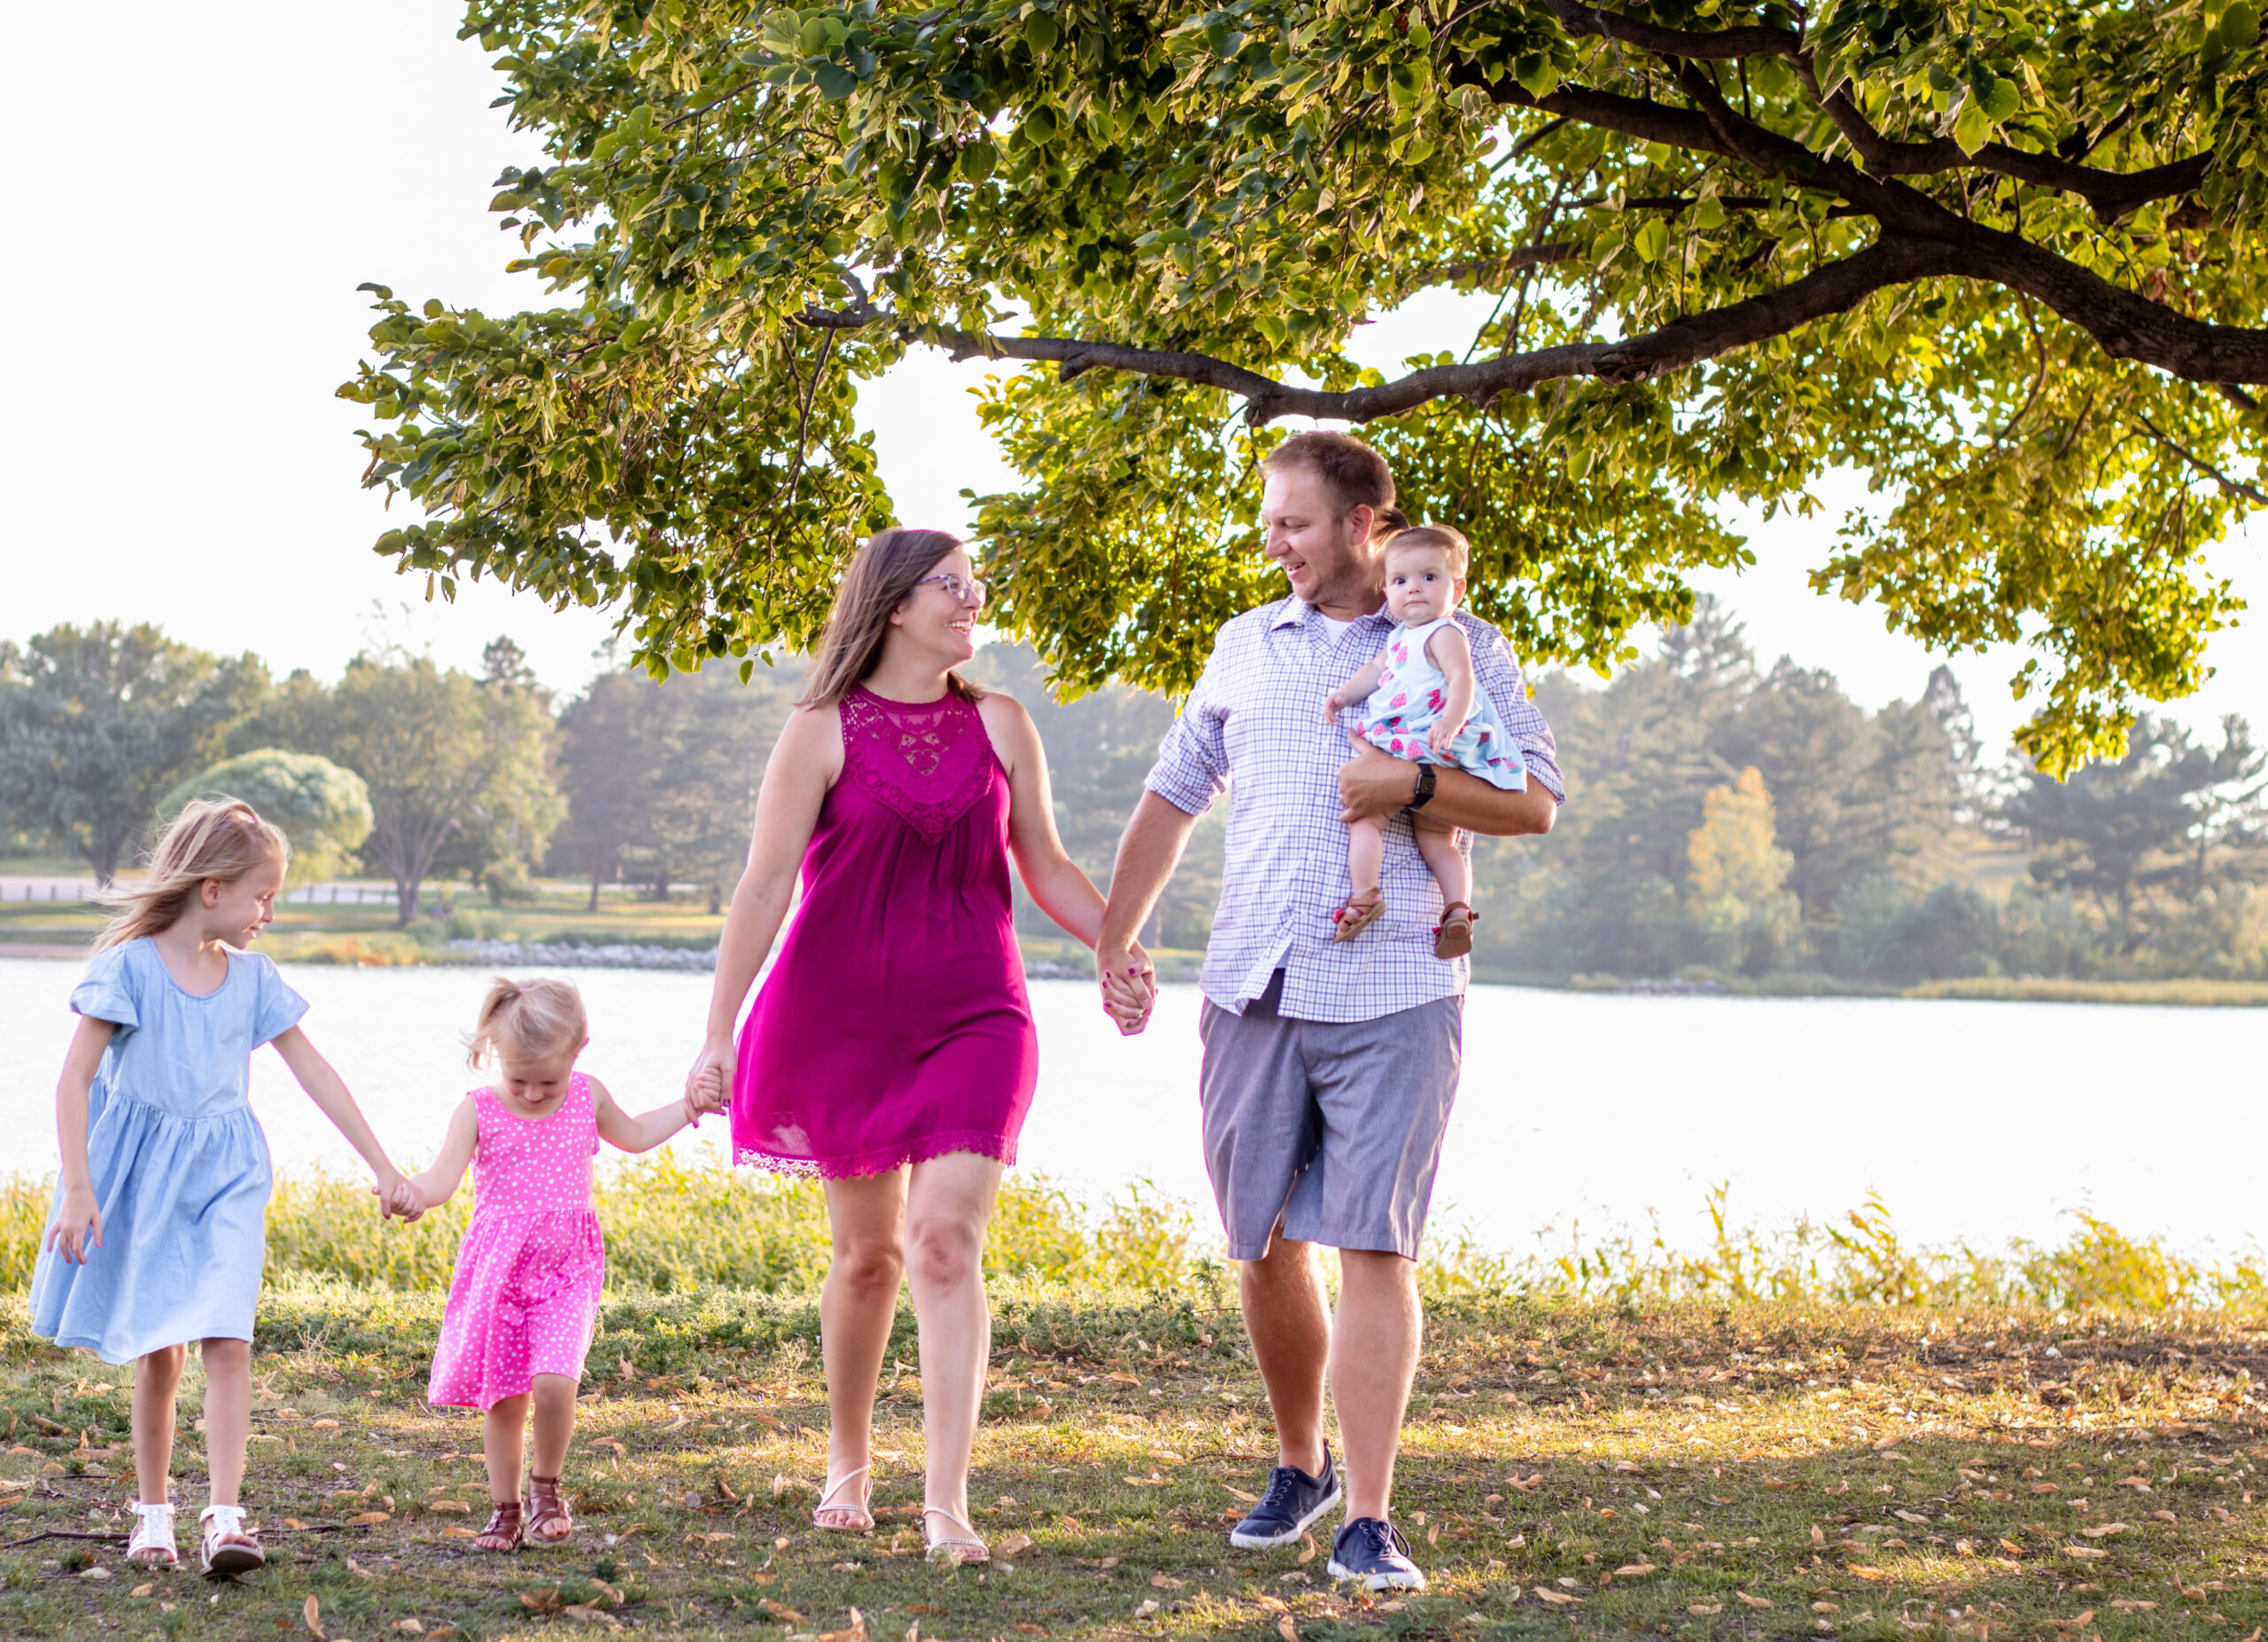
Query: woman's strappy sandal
(505, 1532)
(844, 1518)
(230, 1546)
(549, 1522)
(1357, 916)
(1453, 936)
(954, 1548)
(152, 1544)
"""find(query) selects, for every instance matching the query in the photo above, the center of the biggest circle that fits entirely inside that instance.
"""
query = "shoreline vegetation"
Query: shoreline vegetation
(679, 1227)
(555, 928)
(1777, 1438)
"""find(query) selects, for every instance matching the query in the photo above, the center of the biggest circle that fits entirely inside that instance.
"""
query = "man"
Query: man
(1329, 1067)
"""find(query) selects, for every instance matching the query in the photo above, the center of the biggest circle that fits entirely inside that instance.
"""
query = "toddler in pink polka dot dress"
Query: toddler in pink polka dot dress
(528, 1272)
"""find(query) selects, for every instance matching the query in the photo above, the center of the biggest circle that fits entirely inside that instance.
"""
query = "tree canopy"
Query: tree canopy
(2004, 259)
(323, 810)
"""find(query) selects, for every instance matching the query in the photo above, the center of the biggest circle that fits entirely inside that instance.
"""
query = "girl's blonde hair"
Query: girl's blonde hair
(222, 838)
(528, 1021)
(1445, 539)
(884, 574)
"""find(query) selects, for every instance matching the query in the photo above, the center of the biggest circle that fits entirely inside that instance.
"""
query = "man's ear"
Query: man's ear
(1363, 519)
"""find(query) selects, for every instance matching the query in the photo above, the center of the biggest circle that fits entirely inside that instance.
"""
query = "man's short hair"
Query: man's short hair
(1355, 475)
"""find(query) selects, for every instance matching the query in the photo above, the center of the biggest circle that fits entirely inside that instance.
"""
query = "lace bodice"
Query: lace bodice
(926, 761)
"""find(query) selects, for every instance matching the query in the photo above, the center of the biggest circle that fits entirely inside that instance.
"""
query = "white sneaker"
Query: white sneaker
(230, 1547)
(152, 1543)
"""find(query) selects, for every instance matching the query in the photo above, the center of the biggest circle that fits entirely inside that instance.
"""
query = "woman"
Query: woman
(891, 1051)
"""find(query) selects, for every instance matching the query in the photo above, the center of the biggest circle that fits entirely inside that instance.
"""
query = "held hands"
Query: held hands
(397, 1197)
(1129, 987)
(77, 1227)
(704, 1093)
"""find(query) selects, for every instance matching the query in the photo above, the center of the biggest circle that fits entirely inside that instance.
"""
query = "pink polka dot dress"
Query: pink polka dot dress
(532, 1262)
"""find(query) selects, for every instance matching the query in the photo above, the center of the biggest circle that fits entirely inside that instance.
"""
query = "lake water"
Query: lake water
(1976, 1121)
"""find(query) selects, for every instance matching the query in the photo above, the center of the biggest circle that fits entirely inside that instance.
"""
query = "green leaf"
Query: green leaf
(2240, 25)
(1651, 239)
(2001, 100)
(1039, 124)
(1972, 129)
(1040, 32)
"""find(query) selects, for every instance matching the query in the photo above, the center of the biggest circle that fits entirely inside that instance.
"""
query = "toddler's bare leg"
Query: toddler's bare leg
(554, 1421)
(1437, 842)
(503, 1437)
(157, 1381)
(1365, 850)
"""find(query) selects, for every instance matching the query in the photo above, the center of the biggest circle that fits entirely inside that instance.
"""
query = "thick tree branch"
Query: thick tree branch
(2110, 194)
(1693, 44)
(1834, 289)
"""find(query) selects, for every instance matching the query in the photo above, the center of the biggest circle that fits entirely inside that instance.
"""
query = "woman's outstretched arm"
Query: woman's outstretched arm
(806, 762)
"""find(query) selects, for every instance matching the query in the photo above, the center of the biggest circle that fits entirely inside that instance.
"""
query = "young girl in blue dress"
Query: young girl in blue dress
(158, 1233)
(1419, 700)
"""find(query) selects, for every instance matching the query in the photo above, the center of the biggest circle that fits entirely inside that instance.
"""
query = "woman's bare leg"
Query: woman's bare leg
(857, 1307)
(948, 1208)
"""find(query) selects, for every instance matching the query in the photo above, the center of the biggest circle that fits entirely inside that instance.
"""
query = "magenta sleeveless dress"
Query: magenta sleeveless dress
(532, 1262)
(894, 1026)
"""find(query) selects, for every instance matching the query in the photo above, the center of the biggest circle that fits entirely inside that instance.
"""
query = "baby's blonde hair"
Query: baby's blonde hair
(1445, 539)
(528, 1021)
(222, 838)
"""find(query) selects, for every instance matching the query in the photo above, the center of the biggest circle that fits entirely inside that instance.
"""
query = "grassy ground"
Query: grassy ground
(1692, 1471)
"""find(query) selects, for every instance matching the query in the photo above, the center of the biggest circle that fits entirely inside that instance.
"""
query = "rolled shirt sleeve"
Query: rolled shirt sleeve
(1192, 763)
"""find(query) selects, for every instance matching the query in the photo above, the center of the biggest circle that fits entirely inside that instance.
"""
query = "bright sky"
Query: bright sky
(189, 233)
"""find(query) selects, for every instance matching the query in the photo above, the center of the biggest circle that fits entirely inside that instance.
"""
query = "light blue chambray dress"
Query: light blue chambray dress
(178, 1161)
(1402, 710)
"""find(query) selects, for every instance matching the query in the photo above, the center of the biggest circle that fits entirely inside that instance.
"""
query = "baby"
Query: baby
(1419, 700)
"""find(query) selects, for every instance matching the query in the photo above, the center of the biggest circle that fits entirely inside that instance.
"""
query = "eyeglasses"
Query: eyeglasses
(961, 590)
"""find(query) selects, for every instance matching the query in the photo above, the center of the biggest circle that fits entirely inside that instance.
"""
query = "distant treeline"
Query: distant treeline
(1722, 821)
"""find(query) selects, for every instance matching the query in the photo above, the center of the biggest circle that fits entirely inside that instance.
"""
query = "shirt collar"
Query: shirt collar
(1293, 611)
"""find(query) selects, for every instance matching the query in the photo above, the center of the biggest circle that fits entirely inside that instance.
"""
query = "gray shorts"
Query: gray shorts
(1331, 1130)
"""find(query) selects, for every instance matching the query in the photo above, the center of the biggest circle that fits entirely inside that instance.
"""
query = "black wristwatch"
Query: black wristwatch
(1423, 795)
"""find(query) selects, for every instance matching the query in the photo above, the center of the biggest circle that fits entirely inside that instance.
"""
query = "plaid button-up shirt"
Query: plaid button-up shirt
(1255, 719)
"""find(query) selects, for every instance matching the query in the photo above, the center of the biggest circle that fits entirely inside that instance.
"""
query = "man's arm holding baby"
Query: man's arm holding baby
(1374, 784)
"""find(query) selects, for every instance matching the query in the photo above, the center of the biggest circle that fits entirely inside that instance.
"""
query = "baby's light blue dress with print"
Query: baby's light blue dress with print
(177, 1160)
(1402, 710)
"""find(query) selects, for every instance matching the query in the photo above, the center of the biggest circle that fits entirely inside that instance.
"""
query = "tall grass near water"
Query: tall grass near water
(674, 1227)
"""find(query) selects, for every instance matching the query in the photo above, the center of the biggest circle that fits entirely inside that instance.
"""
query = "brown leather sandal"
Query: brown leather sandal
(1356, 916)
(549, 1522)
(505, 1530)
(1453, 936)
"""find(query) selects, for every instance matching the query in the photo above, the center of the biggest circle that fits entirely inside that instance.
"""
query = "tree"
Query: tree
(96, 723)
(323, 810)
(1738, 877)
(443, 759)
(2006, 263)
(609, 760)
(2129, 833)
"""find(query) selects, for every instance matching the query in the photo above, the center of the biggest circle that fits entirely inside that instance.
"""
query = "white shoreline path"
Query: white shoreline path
(1977, 1122)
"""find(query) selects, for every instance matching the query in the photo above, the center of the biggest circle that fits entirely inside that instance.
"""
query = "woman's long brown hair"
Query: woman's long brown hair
(884, 574)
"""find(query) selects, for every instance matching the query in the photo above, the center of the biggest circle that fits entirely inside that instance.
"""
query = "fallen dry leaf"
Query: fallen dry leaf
(1306, 1548)
(369, 1519)
(1634, 1570)
(311, 1611)
(781, 1611)
(2087, 1552)
(1286, 1628)
(2163, 1516)
(1123, 1379)
(1826, 1607)
(1755, 1601)
(1014, 1544)
(1857, 1570)
(455, 1508)
(1149, 1606)
(543, 1601)
(1240, 1497)
(141, 1591)
(2104, 1531)
(1164, 1581)
(358, 1570)
(410, 1627)
(1704, 1607)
